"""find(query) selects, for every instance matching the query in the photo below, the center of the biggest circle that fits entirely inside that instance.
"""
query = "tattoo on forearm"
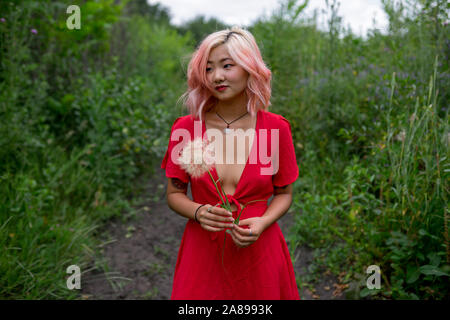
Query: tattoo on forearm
(177, 183)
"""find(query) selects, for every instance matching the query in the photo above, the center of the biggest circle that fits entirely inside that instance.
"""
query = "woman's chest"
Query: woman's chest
(232, 154)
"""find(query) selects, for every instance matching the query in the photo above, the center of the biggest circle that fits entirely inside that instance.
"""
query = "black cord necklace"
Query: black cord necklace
(227, 129)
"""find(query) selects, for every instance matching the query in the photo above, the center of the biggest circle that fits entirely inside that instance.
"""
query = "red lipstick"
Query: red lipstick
(221, 88)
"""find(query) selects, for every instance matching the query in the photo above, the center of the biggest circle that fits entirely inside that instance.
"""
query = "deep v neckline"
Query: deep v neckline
(249, 154)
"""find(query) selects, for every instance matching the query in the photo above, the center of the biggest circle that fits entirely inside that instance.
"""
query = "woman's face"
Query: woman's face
(221, 70)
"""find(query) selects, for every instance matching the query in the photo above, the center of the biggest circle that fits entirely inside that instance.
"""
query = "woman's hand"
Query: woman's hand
(216, 219)
(244, 237)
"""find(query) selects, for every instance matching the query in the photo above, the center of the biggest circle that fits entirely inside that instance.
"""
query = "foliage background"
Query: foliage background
(83, 113)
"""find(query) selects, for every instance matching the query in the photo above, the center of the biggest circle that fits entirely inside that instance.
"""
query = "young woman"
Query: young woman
(229, 89)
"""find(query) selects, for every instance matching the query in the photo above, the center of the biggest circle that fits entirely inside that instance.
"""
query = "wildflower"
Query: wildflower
(197, 157)
(2, 20)
(34, 31)
(401, 136)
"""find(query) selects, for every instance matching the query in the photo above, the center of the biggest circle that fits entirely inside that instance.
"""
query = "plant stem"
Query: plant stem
(243, 208)
(215, 185)
(220, 194)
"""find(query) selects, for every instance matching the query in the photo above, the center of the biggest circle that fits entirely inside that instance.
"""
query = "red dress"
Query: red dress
(209, 267)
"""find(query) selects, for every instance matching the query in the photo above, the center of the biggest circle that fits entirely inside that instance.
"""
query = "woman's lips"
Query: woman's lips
(221, 88)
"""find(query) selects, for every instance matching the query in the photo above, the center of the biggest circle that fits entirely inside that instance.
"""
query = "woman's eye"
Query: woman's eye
(225, 66)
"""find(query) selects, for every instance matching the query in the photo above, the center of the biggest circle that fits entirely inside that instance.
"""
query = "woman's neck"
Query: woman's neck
(232, 109)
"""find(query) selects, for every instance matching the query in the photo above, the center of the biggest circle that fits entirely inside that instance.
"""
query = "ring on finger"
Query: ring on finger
(250, 231)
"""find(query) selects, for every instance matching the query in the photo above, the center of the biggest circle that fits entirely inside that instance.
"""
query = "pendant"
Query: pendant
(228, 130)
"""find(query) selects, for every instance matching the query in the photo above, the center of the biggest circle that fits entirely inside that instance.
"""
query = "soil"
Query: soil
(138, 255)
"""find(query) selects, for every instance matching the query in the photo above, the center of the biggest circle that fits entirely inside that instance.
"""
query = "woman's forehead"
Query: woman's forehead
(219, 54)
(221, 60)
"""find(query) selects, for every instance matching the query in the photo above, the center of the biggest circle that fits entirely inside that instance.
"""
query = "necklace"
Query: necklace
(227, 129)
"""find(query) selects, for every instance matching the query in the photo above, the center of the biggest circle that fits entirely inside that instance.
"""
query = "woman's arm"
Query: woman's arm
(177, 198)
(279, 205)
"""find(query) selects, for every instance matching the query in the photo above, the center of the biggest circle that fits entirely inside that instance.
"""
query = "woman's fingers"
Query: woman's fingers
(243, 235)
(246, 232)
(212, 229)
(239, 240)
(220, 224)
(220, 211)
(219, 214)
(216, 219)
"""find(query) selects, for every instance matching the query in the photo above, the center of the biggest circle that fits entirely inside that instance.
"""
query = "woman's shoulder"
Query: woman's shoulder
(183, 122)
(274, 119)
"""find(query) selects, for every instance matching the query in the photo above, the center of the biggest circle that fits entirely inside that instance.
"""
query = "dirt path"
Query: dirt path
(138, 257)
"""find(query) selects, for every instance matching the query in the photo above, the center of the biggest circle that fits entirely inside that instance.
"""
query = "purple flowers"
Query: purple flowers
(2, 20)
(34, 31)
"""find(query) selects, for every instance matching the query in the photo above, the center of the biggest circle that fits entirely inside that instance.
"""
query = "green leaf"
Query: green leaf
(412, 275)
(432, 270)
(364, 292)
(434, 258)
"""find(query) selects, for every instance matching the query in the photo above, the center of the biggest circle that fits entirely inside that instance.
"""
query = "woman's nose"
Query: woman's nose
(218, 76)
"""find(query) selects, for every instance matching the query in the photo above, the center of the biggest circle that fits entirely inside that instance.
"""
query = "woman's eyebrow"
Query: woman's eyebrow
(221, 60)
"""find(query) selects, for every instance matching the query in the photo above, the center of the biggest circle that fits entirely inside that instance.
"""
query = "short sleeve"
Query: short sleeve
(287, 169)
(173, 170)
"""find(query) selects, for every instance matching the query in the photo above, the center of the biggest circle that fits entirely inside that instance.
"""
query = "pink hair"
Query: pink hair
(244, 51)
